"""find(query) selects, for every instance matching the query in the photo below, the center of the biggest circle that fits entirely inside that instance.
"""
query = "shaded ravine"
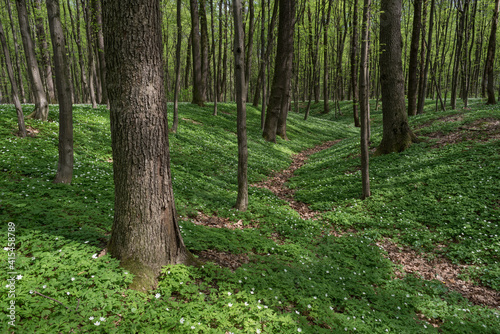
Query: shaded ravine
(412, 262)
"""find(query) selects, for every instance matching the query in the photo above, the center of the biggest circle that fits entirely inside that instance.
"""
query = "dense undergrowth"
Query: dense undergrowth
(299, 277)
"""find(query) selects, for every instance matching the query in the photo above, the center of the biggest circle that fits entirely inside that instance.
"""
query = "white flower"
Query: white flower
(6, 248)
(67, 293)
(299, 330)
(229, 304)
(19, 277)
(94, 256)
(157, 296)
(192, 327)
(97, 323)
(44, 286)
(229, 293)
(246, 304)
(308, 305)
(72, 278)
(31, 292)
(102, 319)
(181, 321)
(33, 258)
(257, 331)
(91, 318)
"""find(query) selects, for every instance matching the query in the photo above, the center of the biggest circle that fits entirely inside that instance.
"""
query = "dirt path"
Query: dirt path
(276, 183)
(412, 262)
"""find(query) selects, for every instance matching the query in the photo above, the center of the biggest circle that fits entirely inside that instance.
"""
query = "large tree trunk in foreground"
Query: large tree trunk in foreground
(41, 105)
(13, 85)
(241, 89)
(280, 90)
(397, 135)
(490, 58)
(63, 84)
(145, 234)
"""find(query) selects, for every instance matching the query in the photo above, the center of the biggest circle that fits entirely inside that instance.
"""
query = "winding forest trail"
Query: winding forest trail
(276, 183)
(412, 262)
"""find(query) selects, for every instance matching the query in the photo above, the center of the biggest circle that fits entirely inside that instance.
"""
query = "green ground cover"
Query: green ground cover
(305, 281)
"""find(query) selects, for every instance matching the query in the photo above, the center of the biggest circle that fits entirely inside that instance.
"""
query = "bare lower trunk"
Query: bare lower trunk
(41, 105)
(413, 66)
(397, 135)
(63, 83)
(239, 60)
(280, 91)
(490, 59)
(15, 95)
(145, 234)
(364, 100)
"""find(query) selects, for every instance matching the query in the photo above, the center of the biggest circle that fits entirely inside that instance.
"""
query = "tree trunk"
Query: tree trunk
(41, 106)
(90, 53)
(248, 59)
(204, 48)
(423, 88)
(13, 84)
(215, 88)
(239, 61)
(44, 52)
(490, 58)
(354, 64)
(325, 57)
(198, 92)
(364, 100)
(458, 53)
(100, 50)
(145, 234)
(413, 66)
(188, 60)
(16, 52)
(177, 68)
(397, 135)
(280, 91)
(63, 84)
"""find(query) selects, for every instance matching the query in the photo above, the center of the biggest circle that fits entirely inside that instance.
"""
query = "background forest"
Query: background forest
(335, 234)
(327, 39)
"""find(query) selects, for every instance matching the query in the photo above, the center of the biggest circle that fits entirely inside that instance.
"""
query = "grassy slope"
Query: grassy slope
(309, 281)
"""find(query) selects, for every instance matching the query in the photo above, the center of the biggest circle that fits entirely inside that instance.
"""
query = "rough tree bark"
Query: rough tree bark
(64, 95)
(239, 62)
(13, 84)
(397, 135)
(145, 234)
(280, 91)
(41, 105)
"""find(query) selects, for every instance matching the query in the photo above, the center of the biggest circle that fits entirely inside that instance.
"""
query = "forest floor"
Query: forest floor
(419, 256)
